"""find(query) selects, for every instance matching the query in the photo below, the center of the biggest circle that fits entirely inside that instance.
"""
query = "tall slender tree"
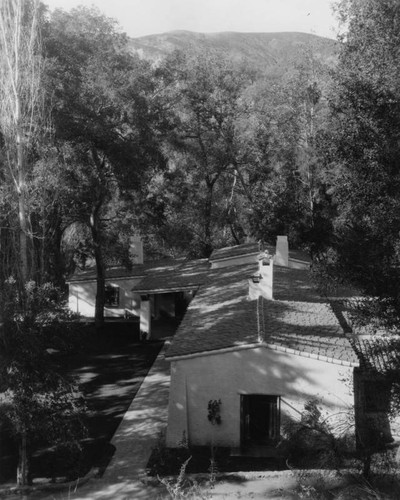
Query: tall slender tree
(33, 394)
(21, 115)
(21, 110)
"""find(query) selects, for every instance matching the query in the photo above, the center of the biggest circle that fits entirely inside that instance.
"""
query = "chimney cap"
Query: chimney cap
(264, 255)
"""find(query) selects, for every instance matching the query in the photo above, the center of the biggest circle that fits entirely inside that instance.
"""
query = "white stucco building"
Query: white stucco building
(148, 290)
(256, 343)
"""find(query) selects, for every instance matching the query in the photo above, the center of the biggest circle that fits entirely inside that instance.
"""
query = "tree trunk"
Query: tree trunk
(23, 239)
(59, 263)
(21, 110)
(367, 465)
(100, 292)
(208, 219)
(233, 233)
(43, 246)
(100, 269)
(23, 461)
(22, 215)
(95, 227)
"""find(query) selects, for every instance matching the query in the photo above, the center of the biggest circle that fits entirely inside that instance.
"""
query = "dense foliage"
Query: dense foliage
(362, 153)
(103, 130)
(37, 399)
(195, 152)
(242, 154)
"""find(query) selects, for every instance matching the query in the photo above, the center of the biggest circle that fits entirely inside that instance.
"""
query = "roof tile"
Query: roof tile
(184, 275)
(157, 275)
(298, 320)
(235, 251)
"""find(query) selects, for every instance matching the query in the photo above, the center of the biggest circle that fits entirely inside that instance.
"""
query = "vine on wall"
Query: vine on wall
(214, 411)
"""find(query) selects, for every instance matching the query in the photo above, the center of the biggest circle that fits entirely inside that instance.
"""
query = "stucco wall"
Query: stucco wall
(225, 376)
(82, 297)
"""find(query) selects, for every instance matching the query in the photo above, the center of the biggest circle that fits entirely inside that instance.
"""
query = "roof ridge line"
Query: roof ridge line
(260, 319)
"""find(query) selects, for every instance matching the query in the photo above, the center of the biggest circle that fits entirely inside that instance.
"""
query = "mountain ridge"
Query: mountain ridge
(260, 50)
(250, 33)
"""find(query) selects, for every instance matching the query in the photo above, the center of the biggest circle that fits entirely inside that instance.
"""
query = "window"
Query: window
(111, 296)
(377, 395)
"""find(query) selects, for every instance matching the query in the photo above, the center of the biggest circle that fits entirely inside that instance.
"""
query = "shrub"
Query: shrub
(36, 398)
(311, 438)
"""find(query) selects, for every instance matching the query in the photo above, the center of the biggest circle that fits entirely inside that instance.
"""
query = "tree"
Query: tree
(36, 397)
(202, 150)
(22, 116)
(243, 155)
(286, 181)
(103, 122)
(364, 154)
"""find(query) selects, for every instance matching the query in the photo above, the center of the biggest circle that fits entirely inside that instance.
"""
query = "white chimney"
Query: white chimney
(261, 283)
(136, 250)
(282, 251)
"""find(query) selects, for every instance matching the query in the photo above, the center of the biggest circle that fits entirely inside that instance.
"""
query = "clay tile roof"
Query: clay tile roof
(112, 272)
(235, 251)
(294, 285)
(298, 321)
(299, 255)
(220, 316)
(378, 353)
(184, 275)
(310, 328)
(163, 274)
(254, 248)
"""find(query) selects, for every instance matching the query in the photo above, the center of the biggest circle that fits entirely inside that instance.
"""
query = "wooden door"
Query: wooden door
(260, 419)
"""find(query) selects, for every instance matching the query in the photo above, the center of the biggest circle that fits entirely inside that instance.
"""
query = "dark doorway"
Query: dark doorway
(181, 304)
(260, 420)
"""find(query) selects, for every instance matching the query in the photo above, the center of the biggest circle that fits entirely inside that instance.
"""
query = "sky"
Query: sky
(147, 17)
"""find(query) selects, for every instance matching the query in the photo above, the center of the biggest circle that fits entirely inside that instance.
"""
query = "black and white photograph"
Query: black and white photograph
(199, 249)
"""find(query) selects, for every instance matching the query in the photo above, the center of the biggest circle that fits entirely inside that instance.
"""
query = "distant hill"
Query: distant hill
(262, 51)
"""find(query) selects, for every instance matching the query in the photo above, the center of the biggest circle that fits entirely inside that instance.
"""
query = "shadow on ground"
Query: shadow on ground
(110, 367)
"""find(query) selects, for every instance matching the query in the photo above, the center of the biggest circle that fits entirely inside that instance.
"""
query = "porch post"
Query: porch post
(145, 317)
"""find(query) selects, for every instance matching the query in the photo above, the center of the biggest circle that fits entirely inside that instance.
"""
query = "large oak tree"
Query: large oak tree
(104, 124)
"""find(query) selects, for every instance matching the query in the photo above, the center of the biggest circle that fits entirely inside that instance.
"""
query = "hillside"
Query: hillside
(262, 51)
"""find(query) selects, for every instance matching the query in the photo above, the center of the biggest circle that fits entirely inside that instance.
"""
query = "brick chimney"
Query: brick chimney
(136, 249)
(261, 283)
(282, 251)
